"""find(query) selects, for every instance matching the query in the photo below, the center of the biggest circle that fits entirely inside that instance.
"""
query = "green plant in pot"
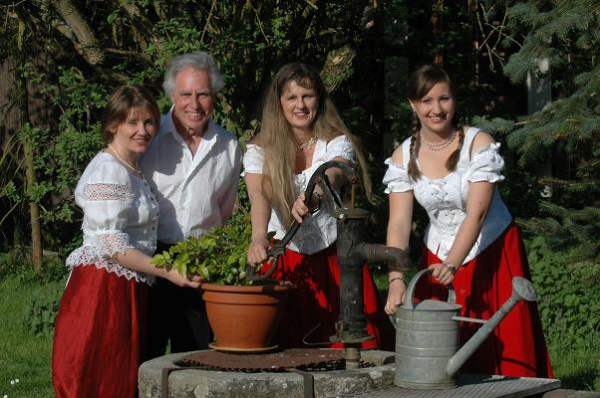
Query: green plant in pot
(244, 316)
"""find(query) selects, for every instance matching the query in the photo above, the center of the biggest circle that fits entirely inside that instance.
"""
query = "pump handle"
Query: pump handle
(331, 196)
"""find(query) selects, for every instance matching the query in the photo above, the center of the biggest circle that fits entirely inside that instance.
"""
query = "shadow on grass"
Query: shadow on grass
(583, 380)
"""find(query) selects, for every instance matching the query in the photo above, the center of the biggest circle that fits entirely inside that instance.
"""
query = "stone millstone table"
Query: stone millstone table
(162, 377)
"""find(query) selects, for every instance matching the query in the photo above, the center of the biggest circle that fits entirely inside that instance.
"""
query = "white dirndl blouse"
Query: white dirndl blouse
(318, 231)
(120, 212)
(445, 199)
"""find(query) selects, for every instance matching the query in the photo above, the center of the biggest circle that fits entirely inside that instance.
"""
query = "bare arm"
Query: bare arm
(398, 235)
(260, 212)
(135, 260)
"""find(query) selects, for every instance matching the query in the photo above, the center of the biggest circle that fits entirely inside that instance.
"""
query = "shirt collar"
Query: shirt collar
(168, 127)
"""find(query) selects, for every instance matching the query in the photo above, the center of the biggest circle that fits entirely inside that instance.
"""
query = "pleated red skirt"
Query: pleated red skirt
(313, 306)
(97, 335)
(517, 346)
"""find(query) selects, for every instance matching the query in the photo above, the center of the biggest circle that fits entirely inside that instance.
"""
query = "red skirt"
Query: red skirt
(517, 346)
(97, 335)
(313, 306)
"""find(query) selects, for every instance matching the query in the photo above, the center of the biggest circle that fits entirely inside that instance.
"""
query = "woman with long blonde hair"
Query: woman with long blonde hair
(300, 131)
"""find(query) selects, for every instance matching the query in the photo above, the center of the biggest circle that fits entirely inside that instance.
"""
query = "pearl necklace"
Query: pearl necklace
(308, 144)
(440, 145)
(132, 168)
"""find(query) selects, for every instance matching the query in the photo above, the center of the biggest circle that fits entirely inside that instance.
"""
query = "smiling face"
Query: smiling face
(133, 135)
(193, 100)
(300, 106)
(436, 109)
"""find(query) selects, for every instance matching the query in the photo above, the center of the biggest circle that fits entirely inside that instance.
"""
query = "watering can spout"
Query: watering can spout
(428, 335)
(522, 290)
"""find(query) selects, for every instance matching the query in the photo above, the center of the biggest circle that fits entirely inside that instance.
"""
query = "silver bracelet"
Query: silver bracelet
(453, 267)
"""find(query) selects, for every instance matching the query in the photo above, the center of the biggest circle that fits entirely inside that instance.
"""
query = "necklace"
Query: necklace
(132, 168)
(308, 144)
(440, 145)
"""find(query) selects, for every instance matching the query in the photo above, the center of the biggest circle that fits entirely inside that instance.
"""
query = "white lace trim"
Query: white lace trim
(106, 191)
(99, 249)
(487, 164)
(108, 244)
(89, 255)
(396, 178)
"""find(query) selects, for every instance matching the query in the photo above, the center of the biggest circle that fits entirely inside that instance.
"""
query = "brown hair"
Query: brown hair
(120, 104)
(419, 84)
(277, 138)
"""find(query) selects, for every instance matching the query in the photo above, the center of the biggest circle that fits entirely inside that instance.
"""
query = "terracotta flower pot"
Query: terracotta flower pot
(244, 318)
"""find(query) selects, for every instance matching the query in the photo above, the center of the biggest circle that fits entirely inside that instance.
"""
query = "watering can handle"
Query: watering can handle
(408, 298)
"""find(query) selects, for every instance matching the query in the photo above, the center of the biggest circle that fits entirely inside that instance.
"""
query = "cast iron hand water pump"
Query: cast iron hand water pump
(352, 253)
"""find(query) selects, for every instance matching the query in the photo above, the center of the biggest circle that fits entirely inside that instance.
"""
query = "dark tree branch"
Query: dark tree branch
(85, 41)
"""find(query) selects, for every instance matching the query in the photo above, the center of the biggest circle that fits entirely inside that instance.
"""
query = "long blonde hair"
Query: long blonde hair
(419, 84)
(277, 138)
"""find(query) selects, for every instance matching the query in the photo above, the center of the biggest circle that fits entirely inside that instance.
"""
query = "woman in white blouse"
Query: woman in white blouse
(97, 335)
(471, 241)
(301, 130)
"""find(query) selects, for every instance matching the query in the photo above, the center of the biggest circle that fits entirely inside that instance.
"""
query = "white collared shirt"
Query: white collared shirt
(194, 192)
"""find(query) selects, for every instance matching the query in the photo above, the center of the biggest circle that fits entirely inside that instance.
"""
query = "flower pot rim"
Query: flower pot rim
(245, 289)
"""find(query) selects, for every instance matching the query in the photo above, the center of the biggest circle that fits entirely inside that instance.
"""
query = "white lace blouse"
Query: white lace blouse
(317, 231)
(120, 212)
(445, 199)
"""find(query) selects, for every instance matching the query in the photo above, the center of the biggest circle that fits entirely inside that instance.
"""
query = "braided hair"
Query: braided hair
(419, 84)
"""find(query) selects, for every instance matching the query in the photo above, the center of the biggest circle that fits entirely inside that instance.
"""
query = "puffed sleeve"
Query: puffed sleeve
(486, 164)
(254, 160)
(107, 200)
(339, 147)
(396, 178)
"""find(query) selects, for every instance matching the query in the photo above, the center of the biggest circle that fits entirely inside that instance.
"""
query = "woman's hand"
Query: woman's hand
(175, 277)
(299, 209)
(443, 272)
(396, 293)
(258, 251)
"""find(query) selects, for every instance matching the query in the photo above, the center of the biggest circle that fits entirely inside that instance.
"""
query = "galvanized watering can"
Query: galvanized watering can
(427, 336)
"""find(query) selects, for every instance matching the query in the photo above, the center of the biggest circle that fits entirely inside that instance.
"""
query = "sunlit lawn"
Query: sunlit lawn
(23, 355)
(27, 357)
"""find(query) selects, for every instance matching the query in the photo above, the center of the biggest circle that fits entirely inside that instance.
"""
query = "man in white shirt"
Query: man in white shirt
(193, 166)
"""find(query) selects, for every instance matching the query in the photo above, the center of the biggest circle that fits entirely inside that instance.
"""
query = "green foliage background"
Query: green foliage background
(130, 42)
(365, 49)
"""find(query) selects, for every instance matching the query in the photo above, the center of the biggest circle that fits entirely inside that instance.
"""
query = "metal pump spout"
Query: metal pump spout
(522, 290)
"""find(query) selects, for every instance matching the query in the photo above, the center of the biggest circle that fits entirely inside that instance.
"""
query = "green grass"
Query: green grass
(27, 356)
(23, 355)
(578, 368)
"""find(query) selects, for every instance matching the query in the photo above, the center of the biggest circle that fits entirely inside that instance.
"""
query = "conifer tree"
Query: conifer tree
(566, 133)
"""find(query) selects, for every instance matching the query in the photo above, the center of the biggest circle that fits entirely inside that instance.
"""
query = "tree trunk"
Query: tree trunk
(437, 28)
(30, 177)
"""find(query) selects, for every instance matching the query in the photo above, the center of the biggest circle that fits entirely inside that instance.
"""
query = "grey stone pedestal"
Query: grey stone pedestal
(196, 383)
